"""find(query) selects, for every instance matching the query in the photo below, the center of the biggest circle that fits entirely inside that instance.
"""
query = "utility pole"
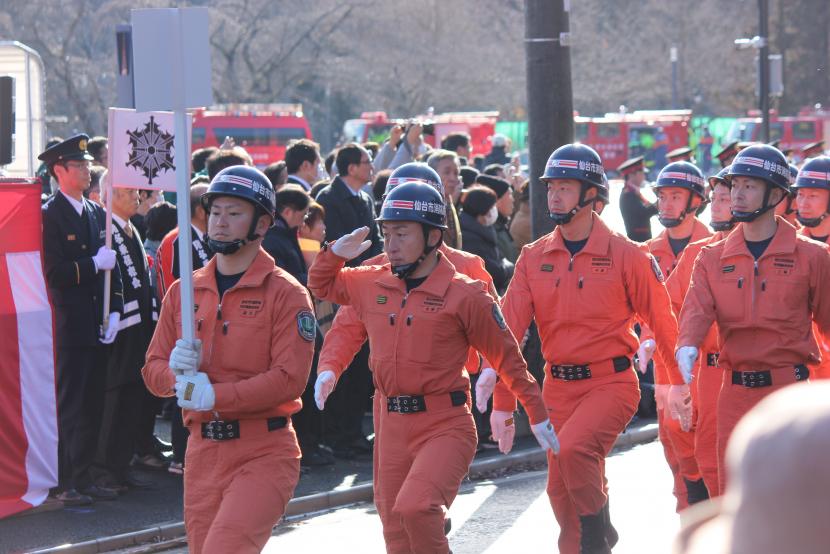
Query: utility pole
(549, 96)
(763, 66)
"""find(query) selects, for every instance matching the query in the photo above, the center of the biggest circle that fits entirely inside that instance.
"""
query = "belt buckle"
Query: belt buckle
(755, 379)
(219, 430)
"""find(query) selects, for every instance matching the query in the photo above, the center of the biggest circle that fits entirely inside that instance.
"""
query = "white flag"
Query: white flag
(141, 150)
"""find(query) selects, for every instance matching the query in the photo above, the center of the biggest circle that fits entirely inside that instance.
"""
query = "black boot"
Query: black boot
(592, 534)
(611, 535)
(696, 491)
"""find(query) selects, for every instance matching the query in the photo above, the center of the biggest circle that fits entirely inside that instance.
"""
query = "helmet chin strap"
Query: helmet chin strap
(403, 271)
(722, 225)
(746, 217)
(811, 221)
(233, 246)
(565, 218)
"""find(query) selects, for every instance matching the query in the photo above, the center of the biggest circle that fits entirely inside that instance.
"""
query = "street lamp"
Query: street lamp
(760, 42)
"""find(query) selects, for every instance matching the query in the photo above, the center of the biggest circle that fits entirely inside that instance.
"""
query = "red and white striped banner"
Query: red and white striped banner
(28, 413)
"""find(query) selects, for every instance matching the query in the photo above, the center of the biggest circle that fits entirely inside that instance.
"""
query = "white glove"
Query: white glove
(686, 356)
(112, 328)
(194, 392)
(644, 354)
(546, 436)
(104, 259)
(323, 387)
(186, 356)
(484, 387)
(680, 405)
(352, 245)
(503, 429)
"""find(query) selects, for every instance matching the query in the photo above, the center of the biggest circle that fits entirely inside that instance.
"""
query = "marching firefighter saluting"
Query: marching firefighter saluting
(583, 284)
(764, 285)
(421, 317)
(241, 379)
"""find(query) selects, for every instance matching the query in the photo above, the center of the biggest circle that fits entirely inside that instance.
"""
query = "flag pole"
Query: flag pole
(105, 320)
(181, 144)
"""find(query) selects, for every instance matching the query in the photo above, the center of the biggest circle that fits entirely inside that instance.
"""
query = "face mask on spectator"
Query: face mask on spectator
(491, 217)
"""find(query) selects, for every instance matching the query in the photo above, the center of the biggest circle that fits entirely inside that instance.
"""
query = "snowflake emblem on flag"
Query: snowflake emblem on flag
(151, 150)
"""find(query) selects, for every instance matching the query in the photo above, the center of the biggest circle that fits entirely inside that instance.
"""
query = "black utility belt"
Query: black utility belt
(418, 403)
(756, 379)
(225, 430)
(580, 372)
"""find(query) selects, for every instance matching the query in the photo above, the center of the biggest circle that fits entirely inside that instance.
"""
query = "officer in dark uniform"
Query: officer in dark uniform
(636, 210)
(727, 153)
(75, 259)
(682, 154)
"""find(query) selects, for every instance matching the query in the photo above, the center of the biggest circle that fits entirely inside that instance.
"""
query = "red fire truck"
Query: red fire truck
(649, 133)
(793, 132)
(375, 126)
(263, 130)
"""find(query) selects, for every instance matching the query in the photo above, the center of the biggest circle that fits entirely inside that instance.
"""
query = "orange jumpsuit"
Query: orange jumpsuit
(583, 306)
(823, 370)
(678, 445)
(764, 309)
(256, 350)
(418, 344)
(706, 381)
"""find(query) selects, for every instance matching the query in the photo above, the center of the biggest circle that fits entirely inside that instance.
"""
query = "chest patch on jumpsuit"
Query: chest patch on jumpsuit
(600, 264)
(433, 303)
(306, 326)
(250, 308)
(547, 268)
(783, 266)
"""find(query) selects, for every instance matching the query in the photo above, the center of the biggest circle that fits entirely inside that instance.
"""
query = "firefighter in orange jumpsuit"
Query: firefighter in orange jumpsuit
(812, 190)
(706, 381)
(348, 332)
(680, 193)
(583, 284)
(421, 317)
(242, 378)
(764, 285)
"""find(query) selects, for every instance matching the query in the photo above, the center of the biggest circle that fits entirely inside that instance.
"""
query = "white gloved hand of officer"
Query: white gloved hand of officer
(108, 336)
(104, 259)
(503, 429)
(485, 385)
(194, 392)
(546, 436)
(644, 354)
(323, 387)
(686, 356)
(186, 356)
(352, 245)
(680, 405)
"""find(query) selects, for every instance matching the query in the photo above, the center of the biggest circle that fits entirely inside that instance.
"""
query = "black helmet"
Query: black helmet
(764, 162)
(581, 163)
(683, 175)
(814, 174)
(418, 202)
(244, 182)
(249, 184)
(414, 171)
(414, 201)
(719, 178)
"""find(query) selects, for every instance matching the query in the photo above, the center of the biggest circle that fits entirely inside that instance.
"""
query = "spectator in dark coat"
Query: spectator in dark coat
(504, 207)
(281, 240)
(478, 215)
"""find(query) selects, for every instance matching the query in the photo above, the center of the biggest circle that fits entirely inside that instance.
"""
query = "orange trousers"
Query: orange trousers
(236, 491)
(587, 415)
(678, 486)
(734, 402)
(420, 460)
(708, 383)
